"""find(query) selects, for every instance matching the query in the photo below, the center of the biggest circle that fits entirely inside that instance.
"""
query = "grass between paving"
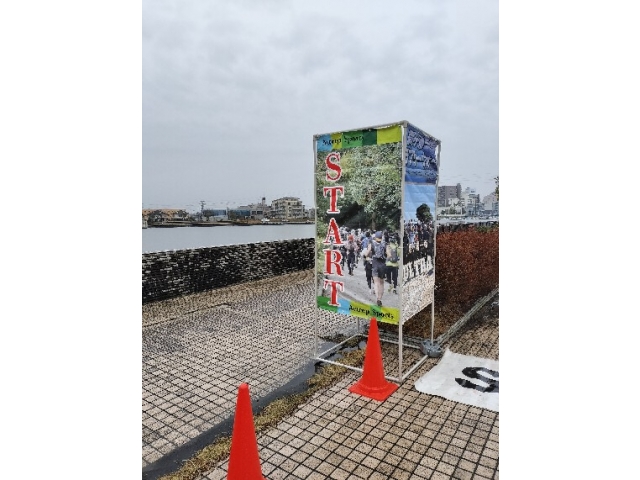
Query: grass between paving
(271, 415)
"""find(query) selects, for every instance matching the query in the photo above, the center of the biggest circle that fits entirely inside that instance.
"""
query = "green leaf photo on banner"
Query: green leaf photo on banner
(358, 191)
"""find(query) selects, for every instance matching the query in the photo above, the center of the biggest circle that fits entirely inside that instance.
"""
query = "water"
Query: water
(181, 238)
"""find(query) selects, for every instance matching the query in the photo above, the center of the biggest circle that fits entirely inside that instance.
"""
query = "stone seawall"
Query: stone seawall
(181, 272)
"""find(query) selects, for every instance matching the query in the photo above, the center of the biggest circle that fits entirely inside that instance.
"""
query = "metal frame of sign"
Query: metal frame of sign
(384, 337)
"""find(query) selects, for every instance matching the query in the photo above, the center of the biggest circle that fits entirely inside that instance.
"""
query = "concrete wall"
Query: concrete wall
(181, 272)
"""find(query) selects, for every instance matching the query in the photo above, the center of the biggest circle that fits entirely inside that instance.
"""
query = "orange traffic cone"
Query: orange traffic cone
(244, 461)
(373, 384)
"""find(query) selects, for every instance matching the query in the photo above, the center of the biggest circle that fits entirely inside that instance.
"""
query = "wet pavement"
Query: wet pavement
(198, 349)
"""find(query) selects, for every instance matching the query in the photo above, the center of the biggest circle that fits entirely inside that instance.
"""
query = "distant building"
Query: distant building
(471, 201)
(490, 204)
(215, 214)
(447, 193)
(311, 213)
(287, 208)
(257, 211)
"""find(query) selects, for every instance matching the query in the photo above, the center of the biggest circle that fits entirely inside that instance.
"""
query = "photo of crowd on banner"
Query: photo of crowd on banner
(420, 187)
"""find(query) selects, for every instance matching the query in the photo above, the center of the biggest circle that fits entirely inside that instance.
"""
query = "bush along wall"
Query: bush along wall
(182, 272)
(467, 266)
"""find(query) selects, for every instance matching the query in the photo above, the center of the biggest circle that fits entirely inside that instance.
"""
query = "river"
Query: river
(182, 238)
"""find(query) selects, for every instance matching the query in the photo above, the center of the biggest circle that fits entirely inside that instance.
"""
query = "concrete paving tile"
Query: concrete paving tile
(420, 449)
(460, 474)
(444, 438)
(398, 450)
(488, 462)
(299, 456)
(334, 459)
(471, 456)
(217, 475)
(325, 469)
(267, 466)
(316, 476)
(482, 471)
(308, 448)
(458, 441)
(442, 446)
(450, 459)
(278, 474)
(422, 471)
(322, 453)
(356, 456)
(371, 461)
(311, 462)
(302, 472)
(275, 458)
(348, 465)
(364, 448)
(339, 474)
(385, 469)
(430, 462)
(297, 442)
(466, 465)
(378, 476)
(474, 447)
(400, 474)
(492, 445)
(434, 453)
(289, 465)
(287, 450)
(412, 457)
(491, 453)
(361, 472)
(445, 468)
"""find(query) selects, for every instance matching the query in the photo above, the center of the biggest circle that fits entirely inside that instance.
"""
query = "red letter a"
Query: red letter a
(332, 231)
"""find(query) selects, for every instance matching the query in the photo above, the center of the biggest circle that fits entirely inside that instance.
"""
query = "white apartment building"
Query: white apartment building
(287, 207)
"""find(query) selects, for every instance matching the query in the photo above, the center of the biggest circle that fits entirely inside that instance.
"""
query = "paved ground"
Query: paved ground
(197, 350)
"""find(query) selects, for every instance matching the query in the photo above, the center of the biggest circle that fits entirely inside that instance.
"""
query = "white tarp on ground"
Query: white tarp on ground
(465, 379)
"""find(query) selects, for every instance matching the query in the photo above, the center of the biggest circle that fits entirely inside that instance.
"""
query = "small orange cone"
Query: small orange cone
(244, 461)
(373, 384)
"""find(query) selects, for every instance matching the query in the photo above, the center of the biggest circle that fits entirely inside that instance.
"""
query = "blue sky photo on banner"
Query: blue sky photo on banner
(422, 162)
(358, 192)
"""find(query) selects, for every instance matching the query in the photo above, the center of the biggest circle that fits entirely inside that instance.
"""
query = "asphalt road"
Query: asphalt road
(356, 288)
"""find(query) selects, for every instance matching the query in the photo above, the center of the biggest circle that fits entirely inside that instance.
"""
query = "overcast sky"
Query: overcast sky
(233, 92)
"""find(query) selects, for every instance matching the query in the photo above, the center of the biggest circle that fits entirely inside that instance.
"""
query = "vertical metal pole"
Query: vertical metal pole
(315, 347)
(315, 250)
(400, 348)
(435, 235)
(401, 226)
(432, 314)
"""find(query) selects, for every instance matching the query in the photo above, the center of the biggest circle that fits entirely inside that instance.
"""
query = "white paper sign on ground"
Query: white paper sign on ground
(465, 379)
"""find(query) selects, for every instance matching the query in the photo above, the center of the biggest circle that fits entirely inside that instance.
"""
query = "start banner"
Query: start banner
(375, 198)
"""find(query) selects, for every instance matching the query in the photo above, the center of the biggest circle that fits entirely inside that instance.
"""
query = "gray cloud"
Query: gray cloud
(233, 92)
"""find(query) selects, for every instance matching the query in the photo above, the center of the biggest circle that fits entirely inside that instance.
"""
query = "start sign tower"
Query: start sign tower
(375, 196)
